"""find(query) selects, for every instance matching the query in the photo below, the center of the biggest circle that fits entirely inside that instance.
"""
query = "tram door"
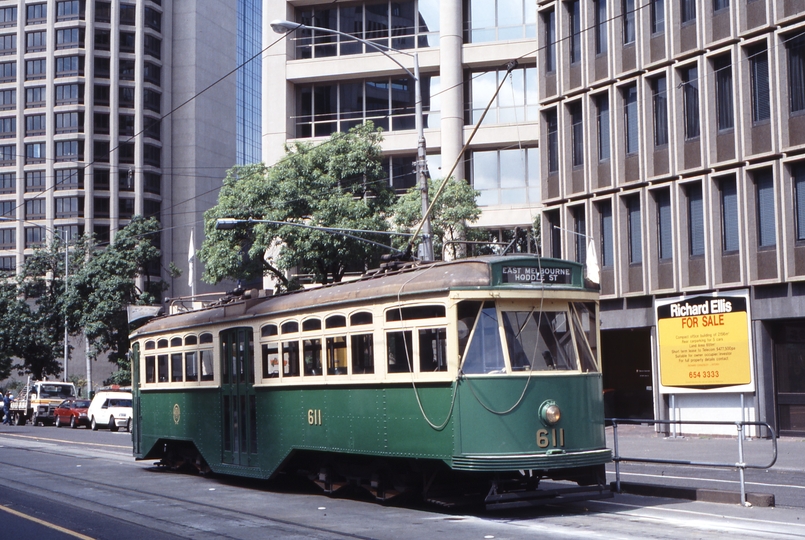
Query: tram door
(238, 402)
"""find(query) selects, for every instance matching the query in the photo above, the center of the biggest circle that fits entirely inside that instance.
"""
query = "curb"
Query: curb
(695, 494)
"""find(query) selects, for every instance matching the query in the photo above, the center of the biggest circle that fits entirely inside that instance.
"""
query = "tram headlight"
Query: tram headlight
(550, 413)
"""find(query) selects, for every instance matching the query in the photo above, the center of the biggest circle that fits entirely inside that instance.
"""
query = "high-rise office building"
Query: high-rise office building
(114, 108)
(672, 132)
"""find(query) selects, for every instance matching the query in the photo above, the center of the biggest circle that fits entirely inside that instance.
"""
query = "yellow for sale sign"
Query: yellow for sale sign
(704, 341)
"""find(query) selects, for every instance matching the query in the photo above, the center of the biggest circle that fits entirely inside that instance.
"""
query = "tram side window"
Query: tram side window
(399, 346)
(150, 369)
(433, 350)
(290, 358)
(485, 351)
(584, 327)
(207, 373)
(336, 355)
(162, 368)
(191, 366)
(176, 367)
(271, 360)
(363, 354)
(539, 340)
(311, 349)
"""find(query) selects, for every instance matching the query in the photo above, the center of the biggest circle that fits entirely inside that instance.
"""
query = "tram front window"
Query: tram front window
(539, 340)
(485, 354)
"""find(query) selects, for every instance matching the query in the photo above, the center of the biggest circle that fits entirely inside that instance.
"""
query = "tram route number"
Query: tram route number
(554, 437)
(314, 417)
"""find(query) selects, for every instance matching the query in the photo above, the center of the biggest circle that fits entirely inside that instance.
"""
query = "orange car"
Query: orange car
(72, 412)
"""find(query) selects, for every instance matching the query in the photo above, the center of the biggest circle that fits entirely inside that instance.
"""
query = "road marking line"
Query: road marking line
(46, 523)
(63, 441)
(748, 483)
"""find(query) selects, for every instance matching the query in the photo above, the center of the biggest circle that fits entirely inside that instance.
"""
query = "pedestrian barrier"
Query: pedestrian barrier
(740, 465)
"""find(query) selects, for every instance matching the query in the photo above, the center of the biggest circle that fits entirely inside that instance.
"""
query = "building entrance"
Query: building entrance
(626, 367)
(789, 375)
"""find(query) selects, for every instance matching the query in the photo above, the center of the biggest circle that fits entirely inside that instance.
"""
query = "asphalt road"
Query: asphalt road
(62, 483)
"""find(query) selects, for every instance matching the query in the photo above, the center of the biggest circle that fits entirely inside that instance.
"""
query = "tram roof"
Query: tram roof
(428, 278)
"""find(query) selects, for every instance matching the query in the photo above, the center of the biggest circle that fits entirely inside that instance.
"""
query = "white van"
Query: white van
(111, 410)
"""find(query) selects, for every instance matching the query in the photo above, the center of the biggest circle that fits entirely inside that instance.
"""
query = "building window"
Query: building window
(152, 155)
(508, 177)
(495, 20)
(152, 183)
(8, 183)
(69, 94)
(126, 70)
(126, 97)
(577, 133)
(100, 179)
(657, 16)
(125, 208)
(69, 66)
(101, 95)
(103, 38)
(8, 239)
(152, 100)
(729, 214)
(152, 19)
(152, 46)
(70, 233)
(580, 238)
(34, 181)
(574, 11)
(36, 41)
(103, 68)
(660, 101)
(628, 22)
(69, 10)
(553, 141)
(724, 108)
(68, 179)
(67, 151)
(8, 72)
(8, 99)
(8, 45)
(554, 234)
(100, 151)
(630, 118)
(127, 42)
(68, 38)
(9, 263)
(695, 220)
(8, 128)
(35, 152)
(34, 237)
(759, 70)
(690, 81)
(8, 209)
(665, 246)
(103, 12)
(798, 172)
(8, 16)
(607, 244)
(70, 122)
(796, 72)
(600, 26)
(36, 13)
(100, 207)
(35, 209)
(687, 10)
(602, 111)
(35, 69)
(8, 154)
(128, 14)
(549, 20)
(68, 207)
(720, 4)
(764, 186)
(506, 109)
(635, 234)
(35, 97)
(327, 108)
(35, 124)
(125, 153)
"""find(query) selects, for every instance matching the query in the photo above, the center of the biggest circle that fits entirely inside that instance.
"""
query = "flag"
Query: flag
(591, 268)
(191, 267)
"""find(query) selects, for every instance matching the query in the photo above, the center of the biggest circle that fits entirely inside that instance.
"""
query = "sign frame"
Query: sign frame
(699, 306)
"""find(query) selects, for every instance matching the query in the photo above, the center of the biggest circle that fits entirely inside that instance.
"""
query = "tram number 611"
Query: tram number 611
(314, 417)
(554, 437)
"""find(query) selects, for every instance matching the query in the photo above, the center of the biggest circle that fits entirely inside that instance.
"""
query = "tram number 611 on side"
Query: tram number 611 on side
(553, 437)
(314, 417)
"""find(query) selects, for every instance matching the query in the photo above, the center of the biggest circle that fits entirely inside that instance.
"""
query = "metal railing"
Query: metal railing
(740, 465)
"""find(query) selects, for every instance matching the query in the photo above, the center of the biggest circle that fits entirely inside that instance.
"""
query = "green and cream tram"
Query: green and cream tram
(479, 374)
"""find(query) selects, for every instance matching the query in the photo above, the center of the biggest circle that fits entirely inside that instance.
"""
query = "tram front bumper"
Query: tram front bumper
(529, 462)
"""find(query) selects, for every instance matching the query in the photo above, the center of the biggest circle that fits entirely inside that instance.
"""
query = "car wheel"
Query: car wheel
(128, 425)
(58, 421)
(112, 424)
(93, 425)
(73, 423)
(18, 420)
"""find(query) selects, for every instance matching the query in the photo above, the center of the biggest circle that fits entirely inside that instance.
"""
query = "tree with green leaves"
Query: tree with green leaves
(453, 212)
(336, 184)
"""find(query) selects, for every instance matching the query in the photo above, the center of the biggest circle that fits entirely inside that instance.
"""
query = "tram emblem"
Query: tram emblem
(176, 414)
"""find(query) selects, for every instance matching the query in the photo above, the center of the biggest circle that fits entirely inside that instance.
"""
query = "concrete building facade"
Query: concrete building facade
(673, 133)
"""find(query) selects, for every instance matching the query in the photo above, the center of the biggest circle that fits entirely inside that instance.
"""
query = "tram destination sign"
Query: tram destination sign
(704, 341)
(533, 274)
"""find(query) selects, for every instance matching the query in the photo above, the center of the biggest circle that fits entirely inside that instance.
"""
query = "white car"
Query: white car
(111, 410)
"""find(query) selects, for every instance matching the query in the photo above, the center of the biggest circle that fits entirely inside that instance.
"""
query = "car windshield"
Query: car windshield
(56, 391)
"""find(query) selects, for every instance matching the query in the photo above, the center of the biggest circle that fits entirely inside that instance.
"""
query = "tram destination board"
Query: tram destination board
(533, 274)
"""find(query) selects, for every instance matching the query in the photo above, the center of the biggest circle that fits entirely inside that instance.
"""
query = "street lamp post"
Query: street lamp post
(285, 27)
